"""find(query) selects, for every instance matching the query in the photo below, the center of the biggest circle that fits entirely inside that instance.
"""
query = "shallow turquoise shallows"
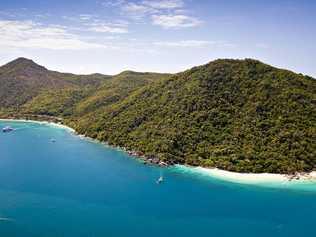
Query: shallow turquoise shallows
(77, 188)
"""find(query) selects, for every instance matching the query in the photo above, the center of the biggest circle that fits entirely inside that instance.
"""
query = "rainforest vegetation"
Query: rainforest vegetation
(237, 115)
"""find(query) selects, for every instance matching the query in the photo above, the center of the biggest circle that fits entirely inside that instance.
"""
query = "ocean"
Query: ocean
(54, 183)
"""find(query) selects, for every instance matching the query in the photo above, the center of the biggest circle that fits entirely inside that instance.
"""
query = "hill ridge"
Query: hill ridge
(238, 115)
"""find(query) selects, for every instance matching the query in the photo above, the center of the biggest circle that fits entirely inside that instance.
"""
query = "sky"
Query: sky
(110, 36)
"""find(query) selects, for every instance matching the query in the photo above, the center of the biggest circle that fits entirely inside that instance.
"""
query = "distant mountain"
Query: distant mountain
(116, 89)
(31, 88)
(22, 80)
(239, 115)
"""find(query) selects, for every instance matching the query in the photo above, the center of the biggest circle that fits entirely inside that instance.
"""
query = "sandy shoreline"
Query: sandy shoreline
(252, 178)
(41, 122)
(244, 178)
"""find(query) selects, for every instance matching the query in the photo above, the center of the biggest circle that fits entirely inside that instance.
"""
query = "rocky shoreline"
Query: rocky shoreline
(51, 119)
(148, 160)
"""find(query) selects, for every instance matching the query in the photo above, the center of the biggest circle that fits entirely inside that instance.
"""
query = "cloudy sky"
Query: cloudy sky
(109, 36)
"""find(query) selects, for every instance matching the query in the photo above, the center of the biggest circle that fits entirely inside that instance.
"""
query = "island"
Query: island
(235, 115)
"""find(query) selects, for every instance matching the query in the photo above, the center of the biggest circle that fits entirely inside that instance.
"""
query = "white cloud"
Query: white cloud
(29, 34)
(154, 4)
(113, 3)
(85, 17)
(106, 28)
(164, 4)
(175, 21)
(88, 22)
(165, 13)
(138, 11)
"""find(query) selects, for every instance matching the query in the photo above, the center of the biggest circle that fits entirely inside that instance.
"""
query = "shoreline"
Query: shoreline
(137, 155)
(59, 125)
(252, 178)
(229, 176)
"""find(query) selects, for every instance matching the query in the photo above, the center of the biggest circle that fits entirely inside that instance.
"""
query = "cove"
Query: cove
(75, 187)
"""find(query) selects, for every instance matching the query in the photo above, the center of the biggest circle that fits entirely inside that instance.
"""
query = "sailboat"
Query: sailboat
(7, 129)
(160, 180)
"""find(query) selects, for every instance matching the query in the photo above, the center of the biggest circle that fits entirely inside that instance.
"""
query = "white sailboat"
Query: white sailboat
(160, 180)
(7, 129)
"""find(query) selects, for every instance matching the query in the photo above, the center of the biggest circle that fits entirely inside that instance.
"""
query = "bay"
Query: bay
(54, 183)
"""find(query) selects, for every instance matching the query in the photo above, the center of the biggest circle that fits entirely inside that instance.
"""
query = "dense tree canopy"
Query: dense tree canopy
(239, 115)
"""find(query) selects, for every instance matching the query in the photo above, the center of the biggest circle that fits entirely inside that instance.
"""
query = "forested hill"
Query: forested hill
(239, 115)
(22, 80)
(26, 87)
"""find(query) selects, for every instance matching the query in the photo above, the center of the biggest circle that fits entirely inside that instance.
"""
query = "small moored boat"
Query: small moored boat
(7, 129)
(160, 180)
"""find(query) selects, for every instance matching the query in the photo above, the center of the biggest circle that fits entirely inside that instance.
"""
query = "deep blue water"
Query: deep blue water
(75, 187)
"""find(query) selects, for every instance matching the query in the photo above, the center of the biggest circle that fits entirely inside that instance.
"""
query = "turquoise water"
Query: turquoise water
(75, 187)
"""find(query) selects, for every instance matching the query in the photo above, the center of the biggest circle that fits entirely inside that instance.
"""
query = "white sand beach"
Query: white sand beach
(243, 178)
(41, 122)
(252, 178)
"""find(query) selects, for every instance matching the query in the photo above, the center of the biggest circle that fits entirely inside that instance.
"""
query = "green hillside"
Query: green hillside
(21, 80)
(116, 89)
(238, 115)
(28, 88)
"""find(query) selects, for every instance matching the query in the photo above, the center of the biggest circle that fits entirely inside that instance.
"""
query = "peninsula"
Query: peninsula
(235, 115)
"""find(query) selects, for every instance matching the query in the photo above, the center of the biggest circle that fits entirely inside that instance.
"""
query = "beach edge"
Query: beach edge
(229, 176)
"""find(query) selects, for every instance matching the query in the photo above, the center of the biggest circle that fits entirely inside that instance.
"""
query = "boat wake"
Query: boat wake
(5, 219)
